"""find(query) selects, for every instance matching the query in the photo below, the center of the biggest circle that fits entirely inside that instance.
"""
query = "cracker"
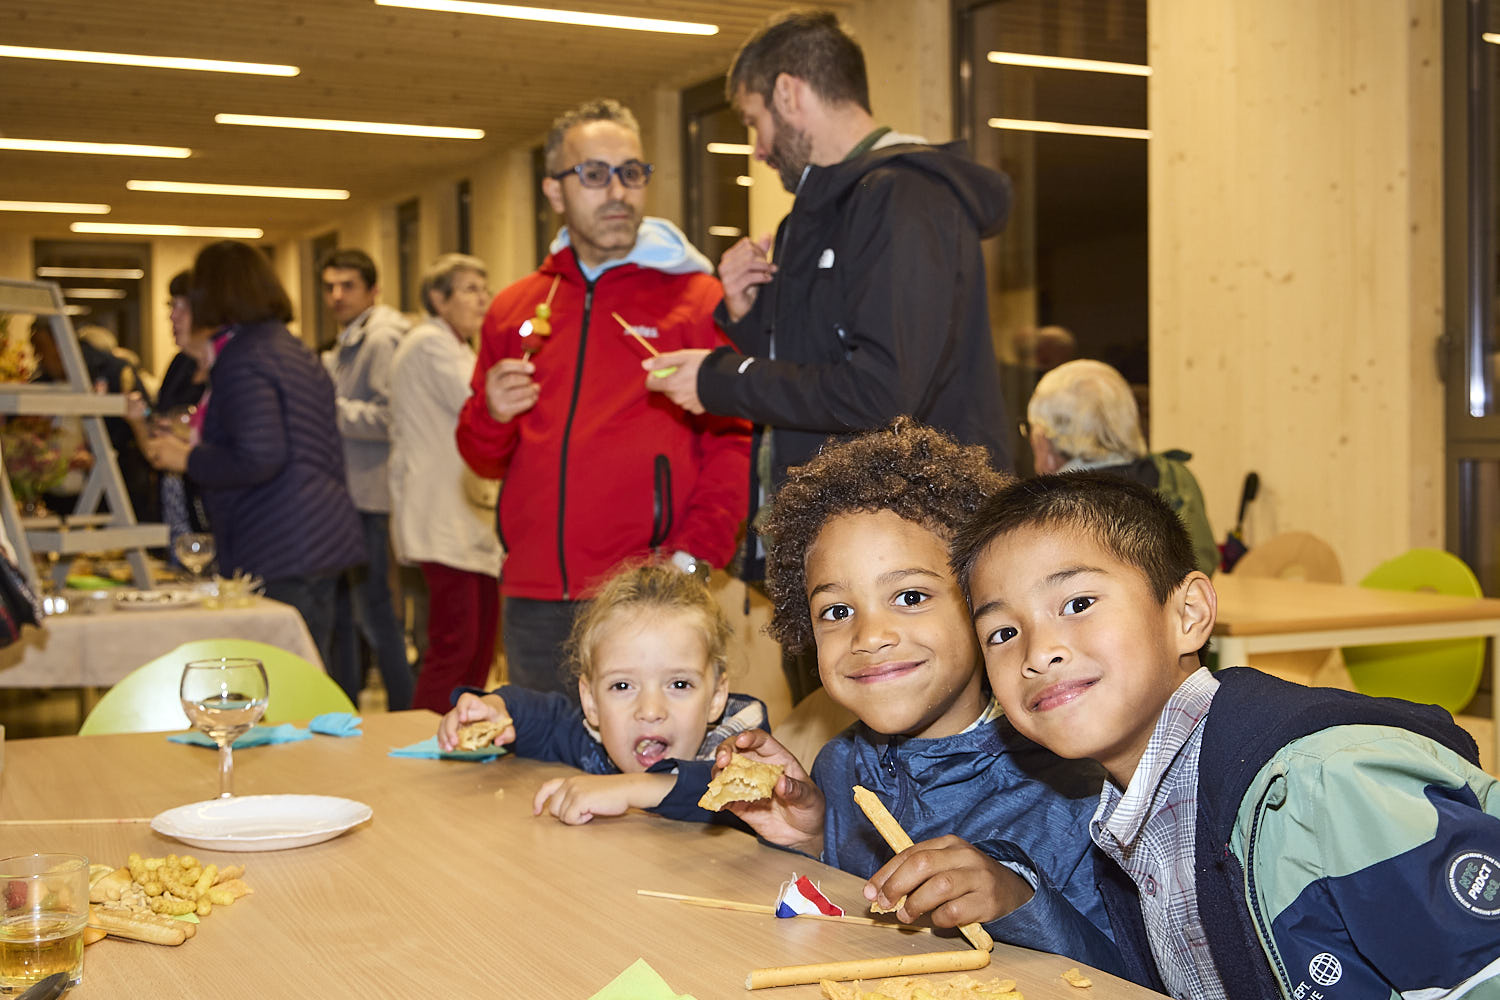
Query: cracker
(1077, 979)
(742, 780)
(481, 735)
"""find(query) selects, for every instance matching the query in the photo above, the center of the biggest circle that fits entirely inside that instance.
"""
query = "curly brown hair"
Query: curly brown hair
(916, 472)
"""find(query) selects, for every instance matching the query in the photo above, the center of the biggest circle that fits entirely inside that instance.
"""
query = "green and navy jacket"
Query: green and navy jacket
(1347, 848)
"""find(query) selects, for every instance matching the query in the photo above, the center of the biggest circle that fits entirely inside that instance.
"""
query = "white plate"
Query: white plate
(261, 822)
(140, 600)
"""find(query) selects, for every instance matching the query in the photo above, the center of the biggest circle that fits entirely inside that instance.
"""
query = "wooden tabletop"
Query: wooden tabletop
(1264, 605)
(453, 889)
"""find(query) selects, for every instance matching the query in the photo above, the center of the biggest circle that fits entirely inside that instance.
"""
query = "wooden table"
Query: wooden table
(1267, 615)
(453, 889)
(98, 650)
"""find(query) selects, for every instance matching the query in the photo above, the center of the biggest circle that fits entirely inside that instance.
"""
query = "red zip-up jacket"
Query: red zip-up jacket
(600, 470)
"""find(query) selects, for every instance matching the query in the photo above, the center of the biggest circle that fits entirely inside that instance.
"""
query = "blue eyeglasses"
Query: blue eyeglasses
(596, 173)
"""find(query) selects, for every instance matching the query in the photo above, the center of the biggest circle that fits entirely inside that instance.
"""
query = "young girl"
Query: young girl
(649, 653)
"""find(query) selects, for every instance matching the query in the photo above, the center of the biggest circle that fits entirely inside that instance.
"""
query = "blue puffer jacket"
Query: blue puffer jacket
(1013, 800)
(270, 464)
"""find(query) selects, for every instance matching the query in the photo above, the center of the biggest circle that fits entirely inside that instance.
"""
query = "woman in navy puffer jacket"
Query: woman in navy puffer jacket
(268, 459)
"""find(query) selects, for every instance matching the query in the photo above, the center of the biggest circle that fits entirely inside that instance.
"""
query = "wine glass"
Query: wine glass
(195, 550)
(224, 698)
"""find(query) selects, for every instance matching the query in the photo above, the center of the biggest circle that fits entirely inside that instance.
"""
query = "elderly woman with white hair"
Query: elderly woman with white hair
(442, 515)
(1084, 416)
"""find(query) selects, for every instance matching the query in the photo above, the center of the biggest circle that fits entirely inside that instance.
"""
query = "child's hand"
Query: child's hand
(472, 708)
(578, 799)
(951, 879)
(793, 816)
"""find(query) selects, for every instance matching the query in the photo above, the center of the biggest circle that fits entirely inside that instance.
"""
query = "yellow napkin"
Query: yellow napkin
(639, 982)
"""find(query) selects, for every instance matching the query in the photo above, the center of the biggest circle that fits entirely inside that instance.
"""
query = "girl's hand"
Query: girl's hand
(951, 879)
(793, 815)
(578, 799)
(472, 708)
(168, 453)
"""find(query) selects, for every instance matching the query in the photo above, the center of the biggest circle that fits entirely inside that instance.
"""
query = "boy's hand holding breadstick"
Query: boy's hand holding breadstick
(793, 815)
(470, 709)
(950, 879)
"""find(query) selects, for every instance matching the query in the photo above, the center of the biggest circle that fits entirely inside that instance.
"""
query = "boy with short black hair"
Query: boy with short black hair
(1266, 838)
(858, 568)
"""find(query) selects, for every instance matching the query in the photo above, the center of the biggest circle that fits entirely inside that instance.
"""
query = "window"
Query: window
(105, 284)
(715, 155)
(464, 202)
(325, 328)
(408, 262)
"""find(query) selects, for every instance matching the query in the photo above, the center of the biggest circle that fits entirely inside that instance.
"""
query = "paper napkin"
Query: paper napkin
(257, 736)
(639, 982)
(428, 749)
(336, 724)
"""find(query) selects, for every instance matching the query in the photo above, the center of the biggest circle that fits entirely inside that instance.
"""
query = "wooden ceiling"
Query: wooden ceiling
(359, 61)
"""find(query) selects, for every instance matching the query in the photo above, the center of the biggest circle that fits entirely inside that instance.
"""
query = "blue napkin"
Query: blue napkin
(428, 749)
(336, 724)
(256, 737)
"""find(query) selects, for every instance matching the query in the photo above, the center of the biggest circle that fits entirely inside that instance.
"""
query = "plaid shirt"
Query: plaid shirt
(1149, 831)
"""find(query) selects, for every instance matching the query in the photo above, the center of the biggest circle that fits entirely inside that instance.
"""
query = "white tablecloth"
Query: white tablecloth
(98, 650)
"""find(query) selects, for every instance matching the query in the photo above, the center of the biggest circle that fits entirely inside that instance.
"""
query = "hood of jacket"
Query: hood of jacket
(984, 193)
(659, 245)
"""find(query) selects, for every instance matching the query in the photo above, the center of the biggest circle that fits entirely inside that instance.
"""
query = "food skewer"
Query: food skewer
(734, 904)
(897, 838)
(868, 968)
(659, 373)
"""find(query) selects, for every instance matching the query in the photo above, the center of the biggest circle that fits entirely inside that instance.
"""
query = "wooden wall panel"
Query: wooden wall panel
(1295, 266)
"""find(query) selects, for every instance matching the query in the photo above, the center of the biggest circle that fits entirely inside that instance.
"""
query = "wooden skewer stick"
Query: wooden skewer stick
(868, 968)
(73, 822)
(762, 908)
(631, 330)
(896, 837)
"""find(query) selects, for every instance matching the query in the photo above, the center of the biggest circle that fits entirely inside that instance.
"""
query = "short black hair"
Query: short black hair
(916, 472)
(353, 259)
(810, 45)
(180, 285)
(1130, 521)
(234, 283)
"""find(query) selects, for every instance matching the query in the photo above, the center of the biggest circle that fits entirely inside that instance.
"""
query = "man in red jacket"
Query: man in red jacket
(596, 469)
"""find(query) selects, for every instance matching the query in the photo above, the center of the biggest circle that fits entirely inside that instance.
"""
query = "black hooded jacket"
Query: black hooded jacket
(878, 308)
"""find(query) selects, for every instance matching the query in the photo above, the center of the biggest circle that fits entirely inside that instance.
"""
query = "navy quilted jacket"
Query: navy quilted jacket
(270, 463)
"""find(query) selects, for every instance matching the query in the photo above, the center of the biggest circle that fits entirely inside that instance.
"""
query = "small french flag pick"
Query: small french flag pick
(801, 896)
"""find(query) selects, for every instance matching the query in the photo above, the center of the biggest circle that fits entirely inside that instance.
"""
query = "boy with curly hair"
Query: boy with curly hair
(857, 566)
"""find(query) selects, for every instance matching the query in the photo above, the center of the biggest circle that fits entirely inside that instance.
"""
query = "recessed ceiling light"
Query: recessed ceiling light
(723, 231)
(73, 310)
(70, 207)
(557, 16)
(1063, 62)
(93, 293)
(99, 148)
(744, 180)
(730, 148)
(1492, 37)
(334, 125)
(1067, 128)
(123, 273)
(154, 62)
(244, 190)
(133, 229)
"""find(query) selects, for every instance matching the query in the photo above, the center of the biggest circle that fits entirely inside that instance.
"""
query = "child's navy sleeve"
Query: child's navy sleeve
(550, 727)
(1373, 862)
(1048, 921)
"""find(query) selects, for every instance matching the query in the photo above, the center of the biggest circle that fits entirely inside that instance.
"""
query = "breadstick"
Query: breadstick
(138, 926)
(869, 968)
(897, 838)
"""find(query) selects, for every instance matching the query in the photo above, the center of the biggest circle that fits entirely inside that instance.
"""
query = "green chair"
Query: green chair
(146, 701)
(1441, 672)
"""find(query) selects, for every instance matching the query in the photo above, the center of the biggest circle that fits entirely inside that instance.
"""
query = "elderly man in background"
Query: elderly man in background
(360, 364)
(442, 515)
(1083, 416)
(597, 470)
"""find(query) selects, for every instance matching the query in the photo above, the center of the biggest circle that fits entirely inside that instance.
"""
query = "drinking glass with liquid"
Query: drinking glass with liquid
(224, 698)
(46, 907)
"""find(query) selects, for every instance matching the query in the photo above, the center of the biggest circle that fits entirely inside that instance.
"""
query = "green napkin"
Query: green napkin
(639, 982)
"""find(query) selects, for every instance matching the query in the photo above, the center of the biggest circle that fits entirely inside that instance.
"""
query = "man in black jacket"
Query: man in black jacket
(873, 303)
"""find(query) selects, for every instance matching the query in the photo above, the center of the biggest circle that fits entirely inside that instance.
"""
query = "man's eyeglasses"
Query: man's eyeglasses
(596, 173)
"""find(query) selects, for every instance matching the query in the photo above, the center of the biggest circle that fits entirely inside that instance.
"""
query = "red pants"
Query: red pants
(463, 615)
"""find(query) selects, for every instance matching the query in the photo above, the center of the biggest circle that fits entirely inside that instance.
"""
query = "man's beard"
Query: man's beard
(791, 151)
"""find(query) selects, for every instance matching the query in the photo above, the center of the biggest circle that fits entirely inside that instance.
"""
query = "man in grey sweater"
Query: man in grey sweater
(360, 364)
